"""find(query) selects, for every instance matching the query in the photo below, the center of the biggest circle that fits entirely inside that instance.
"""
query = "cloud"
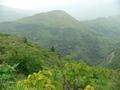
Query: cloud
(81, 9)
(60, 3)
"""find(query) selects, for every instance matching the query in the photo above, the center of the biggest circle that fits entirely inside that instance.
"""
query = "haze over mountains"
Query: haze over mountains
(91, 41)
(10, 14)
(80, 9)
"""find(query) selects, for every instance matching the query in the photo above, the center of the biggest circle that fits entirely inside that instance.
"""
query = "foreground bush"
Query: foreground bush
(73, 76)
(7, 77)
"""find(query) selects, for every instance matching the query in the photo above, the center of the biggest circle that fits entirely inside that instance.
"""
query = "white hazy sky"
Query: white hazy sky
(81, 9)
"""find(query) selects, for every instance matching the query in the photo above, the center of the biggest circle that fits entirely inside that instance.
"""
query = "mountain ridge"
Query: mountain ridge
(66, 34)
(58, 18)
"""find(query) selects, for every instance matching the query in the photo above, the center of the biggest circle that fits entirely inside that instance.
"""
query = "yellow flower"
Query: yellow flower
(26, 82)
(88, 87)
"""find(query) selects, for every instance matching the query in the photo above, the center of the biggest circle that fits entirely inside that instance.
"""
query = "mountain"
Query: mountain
(110, 28)
(59, 30)
(10, 14)
(56, 19)
(94, 42)
(80, 40)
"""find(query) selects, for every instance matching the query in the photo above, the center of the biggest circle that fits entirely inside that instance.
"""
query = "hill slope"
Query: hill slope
(19, 58)
(29, 58)
(56, 19)
(115, 61)
(58, 29)
(110, 28)
(66, 34)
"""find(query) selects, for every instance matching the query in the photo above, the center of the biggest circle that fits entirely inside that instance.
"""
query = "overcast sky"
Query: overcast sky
(81, 9)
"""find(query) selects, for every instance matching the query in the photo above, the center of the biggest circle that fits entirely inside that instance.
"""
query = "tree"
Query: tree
(53, 49)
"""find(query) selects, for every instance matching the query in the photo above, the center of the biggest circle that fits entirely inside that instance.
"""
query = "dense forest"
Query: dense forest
(54, 51)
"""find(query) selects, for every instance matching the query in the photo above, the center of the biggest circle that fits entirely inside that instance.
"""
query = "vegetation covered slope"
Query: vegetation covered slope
(63, 32)
(28, 58)
(19, 57)
(114, 62)
(109, 27)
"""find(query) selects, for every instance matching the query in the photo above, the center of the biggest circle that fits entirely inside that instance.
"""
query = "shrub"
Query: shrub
(7, 77)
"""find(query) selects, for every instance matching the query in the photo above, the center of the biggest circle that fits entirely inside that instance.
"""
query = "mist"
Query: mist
(80, 9)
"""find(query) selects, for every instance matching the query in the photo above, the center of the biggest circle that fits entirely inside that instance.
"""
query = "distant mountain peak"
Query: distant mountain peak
(53, 12)
(57, 11)
(55, 18)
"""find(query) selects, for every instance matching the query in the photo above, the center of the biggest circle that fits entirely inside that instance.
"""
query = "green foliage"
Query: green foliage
(73, 76)
(56, 72)
(7, 77)
(37, 81)
(29, 58)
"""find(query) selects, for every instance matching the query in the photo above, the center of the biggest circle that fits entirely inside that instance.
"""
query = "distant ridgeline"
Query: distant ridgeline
(11, 14)
(90, 41)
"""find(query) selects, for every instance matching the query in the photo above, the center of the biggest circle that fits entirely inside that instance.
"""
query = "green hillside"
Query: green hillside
(55, 51)
(30, 58)
(55, 19)
(114, 62)
(63, 32)
(91, 41)
(19, 58)
(47, 70)
(108, 27)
